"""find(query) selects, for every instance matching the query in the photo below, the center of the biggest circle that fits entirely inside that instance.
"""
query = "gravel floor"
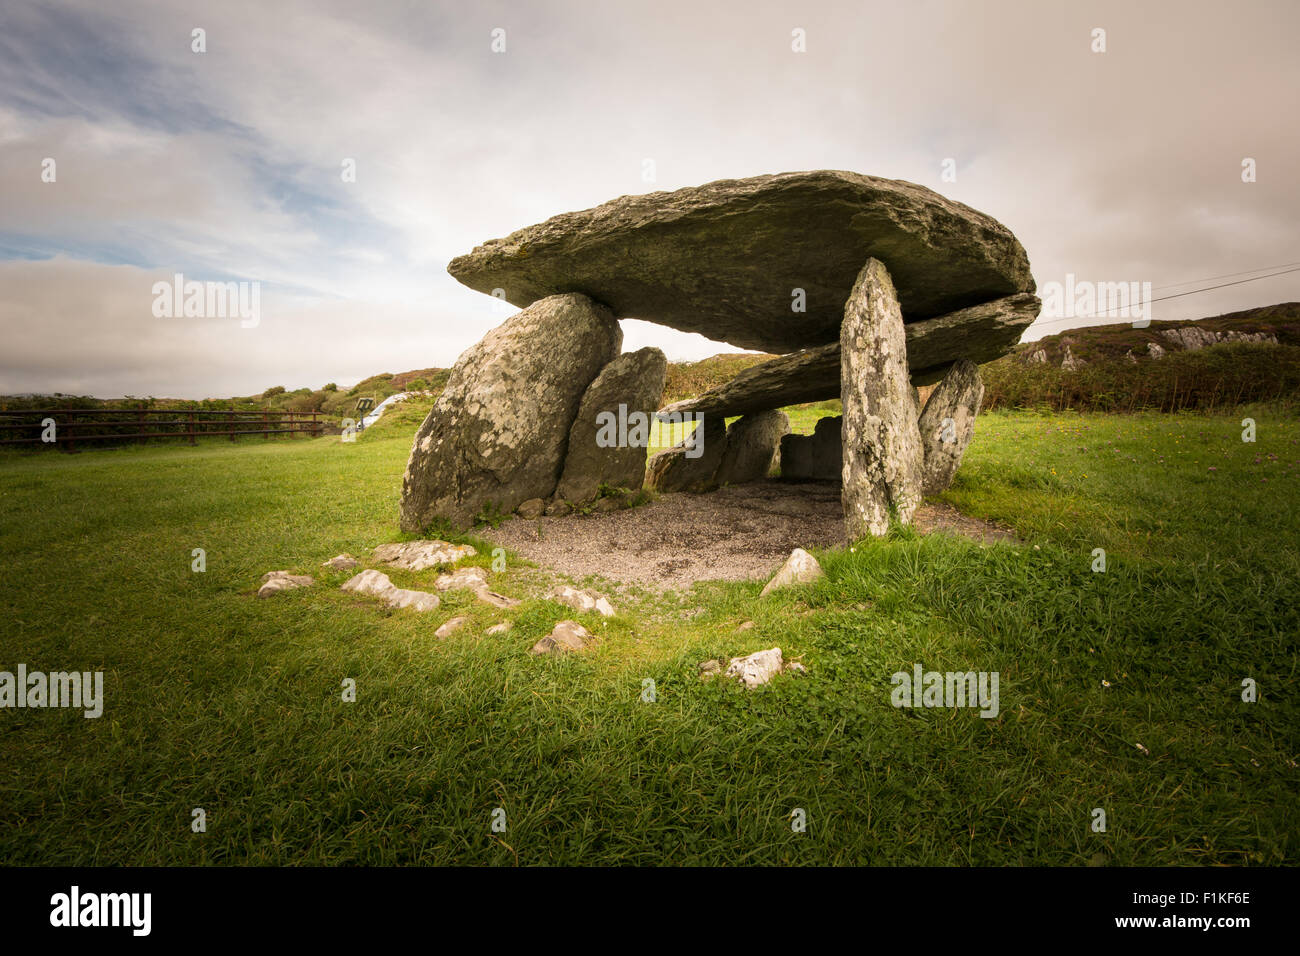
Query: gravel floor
(740, 532)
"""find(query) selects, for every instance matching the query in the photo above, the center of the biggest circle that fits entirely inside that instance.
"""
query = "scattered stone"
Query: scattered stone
(609, 503)
(495, 599)
(1038, 356)
(581, 600)
(881, 439)
(746, 626)
(341, 562)
(418, 555)
(709, 668)
(749, 242)
(532, 508)
(947, 425)
(676, 470)
(1069, 361)
(758, 668)
(450, 627)
(816, 457)
(794, 667)
(377, 583)
(752, 443)
(470, 578)
(497, 434)
(273, 582)
(800, 568)
(501, 628)
(1154, 350)
(981, 333)
(566, 636)
(558, 508)
(611, 431)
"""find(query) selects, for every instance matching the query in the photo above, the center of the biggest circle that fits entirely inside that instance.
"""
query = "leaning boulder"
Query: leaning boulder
(948, 423)
(882, 442)
(608, 439)
(691, 464)
(752, 443)
(497, 434)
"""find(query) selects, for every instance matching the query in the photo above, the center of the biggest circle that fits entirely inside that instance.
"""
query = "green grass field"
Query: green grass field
(215, 699)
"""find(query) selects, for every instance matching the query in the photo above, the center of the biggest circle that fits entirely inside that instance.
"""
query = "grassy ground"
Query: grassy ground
(221, 701)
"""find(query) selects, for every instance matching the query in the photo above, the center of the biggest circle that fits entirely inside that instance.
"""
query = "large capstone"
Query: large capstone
(607, 442)
(980, 333)
(764, 263)
(882, 443)
(948, 423)
(498, 433)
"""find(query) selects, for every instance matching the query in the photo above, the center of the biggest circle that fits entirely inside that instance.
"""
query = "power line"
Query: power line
(1163, 298)
(1230, 275)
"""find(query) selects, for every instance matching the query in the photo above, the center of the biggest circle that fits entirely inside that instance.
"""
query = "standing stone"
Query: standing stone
(881, 438)
(498, 432)
(752, 443)
(609, 436)
(816, 457)
(948, 423)
(676, 470)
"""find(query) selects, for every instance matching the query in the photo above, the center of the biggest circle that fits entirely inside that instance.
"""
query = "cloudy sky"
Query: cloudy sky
(227, 164)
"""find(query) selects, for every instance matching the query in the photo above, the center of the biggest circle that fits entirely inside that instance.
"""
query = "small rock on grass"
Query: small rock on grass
(341, 562)
(532, 508)
(501, 628)
(581, 600)
(377, 583)
(273, 582)
(418, 555)
(760, 667)
(800, 568)
(472, 578)
(566, 636)
(450, 627)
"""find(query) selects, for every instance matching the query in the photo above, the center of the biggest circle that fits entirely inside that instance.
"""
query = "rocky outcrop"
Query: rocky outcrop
(691, 464)
(752, 443)
(881, 439)
(608, 439)
(498, 432)
(815, 457)
(947, 425)
(722, 259)
(981, 333)
(1192, 337)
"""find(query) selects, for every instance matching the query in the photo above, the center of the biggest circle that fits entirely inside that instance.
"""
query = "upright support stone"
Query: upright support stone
(607, 442)
(881, 438)
(497, 434)
(948, 423)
